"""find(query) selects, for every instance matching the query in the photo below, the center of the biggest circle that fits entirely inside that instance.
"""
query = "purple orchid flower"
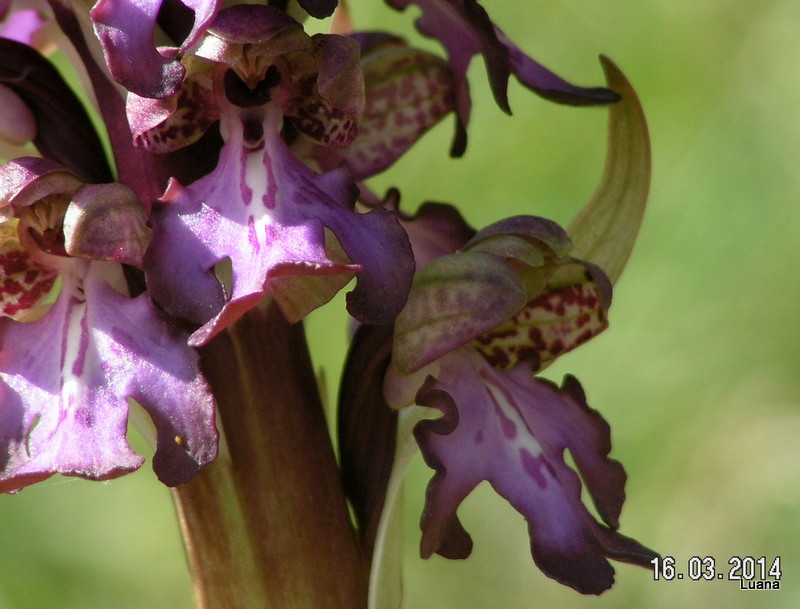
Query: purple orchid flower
(480, 320)
(238, 207)
(286, 230)
(65, 377)
(126, 31)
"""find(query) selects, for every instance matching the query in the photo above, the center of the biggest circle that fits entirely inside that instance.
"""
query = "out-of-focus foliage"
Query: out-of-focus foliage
(697, 375)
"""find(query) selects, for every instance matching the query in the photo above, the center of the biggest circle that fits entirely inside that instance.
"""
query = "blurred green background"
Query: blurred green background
(698, 374)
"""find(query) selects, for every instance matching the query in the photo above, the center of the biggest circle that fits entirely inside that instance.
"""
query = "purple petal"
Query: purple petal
(125, 29)
(512, 430)
(267, 213)
(530, 228)
(546, 84)
(465, 30)
(66, 379)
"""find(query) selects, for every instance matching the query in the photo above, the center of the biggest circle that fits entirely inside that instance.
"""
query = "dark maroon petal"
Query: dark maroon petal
(319, 8)
(64, 131)
(546, 84)
(367, 428)
(512, 430)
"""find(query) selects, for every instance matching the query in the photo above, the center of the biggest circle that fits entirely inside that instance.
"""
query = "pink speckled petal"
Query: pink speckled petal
(24, 283)
(571, 309)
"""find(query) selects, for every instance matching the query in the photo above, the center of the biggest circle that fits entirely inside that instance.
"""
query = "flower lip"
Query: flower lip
(65, 380)
(286, 231)
(526, 425)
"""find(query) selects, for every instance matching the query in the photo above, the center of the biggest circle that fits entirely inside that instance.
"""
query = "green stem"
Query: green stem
(267, 526)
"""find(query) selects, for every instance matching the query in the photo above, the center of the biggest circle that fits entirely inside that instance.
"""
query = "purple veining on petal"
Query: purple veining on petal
(533, 467)
(209, 217)
(245, 191)
(507, 426)
(469, 444)
(65, 409)
(83, 346)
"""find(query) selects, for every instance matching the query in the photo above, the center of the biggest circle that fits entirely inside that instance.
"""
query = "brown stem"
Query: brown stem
(269, 515)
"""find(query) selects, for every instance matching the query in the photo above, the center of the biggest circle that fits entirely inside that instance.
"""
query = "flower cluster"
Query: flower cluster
(241, 146)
